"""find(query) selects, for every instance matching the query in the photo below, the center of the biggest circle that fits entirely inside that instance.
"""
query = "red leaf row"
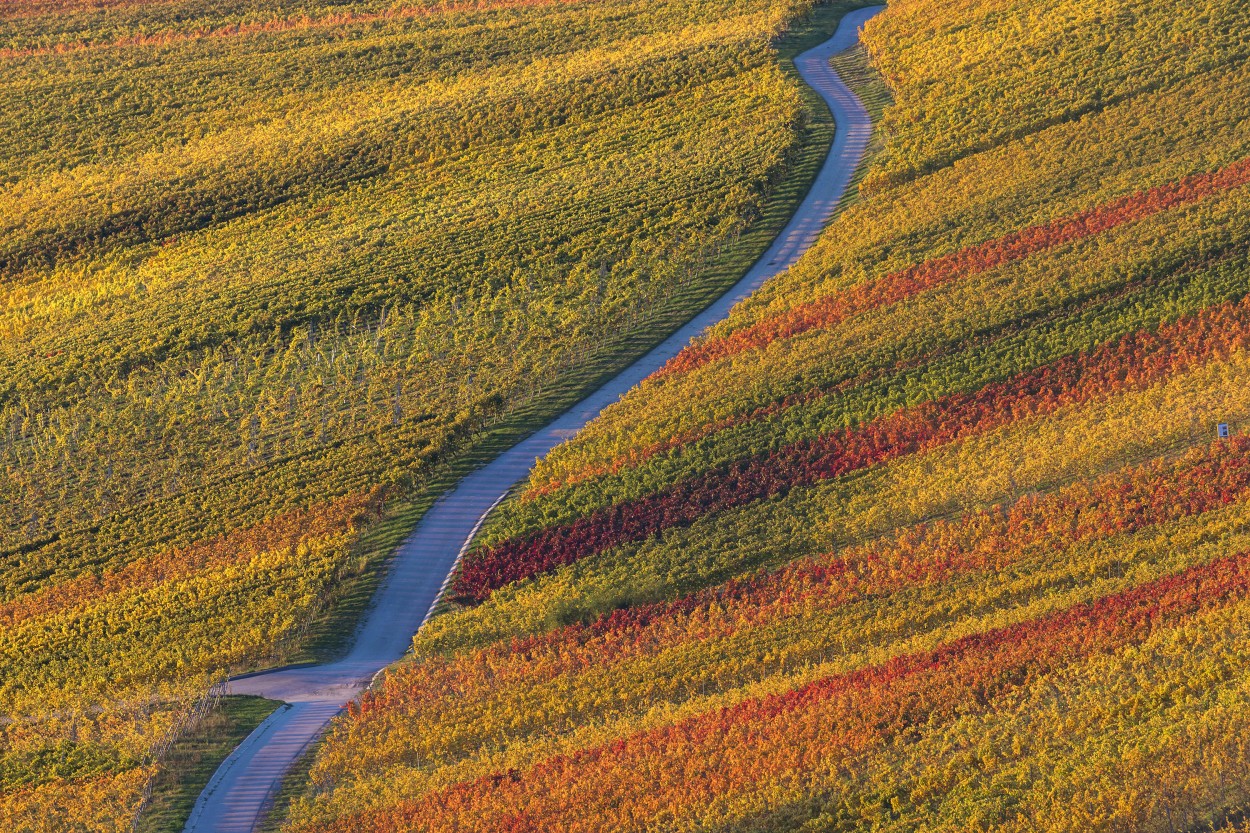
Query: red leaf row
(1135, 360)
(806, 733)
(990, 540)
(288, 24)
(832, 309)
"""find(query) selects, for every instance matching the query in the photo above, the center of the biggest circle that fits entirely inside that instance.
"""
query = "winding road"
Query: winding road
(242, 787)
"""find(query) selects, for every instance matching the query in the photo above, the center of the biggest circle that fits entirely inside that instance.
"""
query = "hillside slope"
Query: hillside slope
(935, 532)
(424, 563)
(271, 271)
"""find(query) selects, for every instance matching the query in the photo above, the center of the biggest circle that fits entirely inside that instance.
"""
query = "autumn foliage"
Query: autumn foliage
(935, 532)
(263, 264)
(304, 22)
(1134, 361)
(829, 311)
(774, 743)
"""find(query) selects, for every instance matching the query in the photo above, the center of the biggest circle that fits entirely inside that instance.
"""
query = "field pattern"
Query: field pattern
(935, 532)
(268, 268)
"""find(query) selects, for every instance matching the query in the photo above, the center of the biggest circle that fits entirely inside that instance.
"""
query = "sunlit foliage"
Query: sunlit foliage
(935, 532)
(265, 266)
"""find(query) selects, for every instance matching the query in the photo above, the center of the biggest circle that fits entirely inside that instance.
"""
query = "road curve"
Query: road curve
(243, 785)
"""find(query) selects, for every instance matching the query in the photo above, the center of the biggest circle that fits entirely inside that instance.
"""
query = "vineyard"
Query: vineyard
(270, 270)
(935, 532)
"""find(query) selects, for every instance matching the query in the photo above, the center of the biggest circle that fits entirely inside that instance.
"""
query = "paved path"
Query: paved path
(241, 788)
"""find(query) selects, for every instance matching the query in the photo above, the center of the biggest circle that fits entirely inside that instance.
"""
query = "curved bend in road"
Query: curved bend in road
(241, 788)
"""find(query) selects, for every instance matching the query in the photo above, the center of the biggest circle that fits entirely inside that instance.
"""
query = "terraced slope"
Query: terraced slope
(935, 531)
